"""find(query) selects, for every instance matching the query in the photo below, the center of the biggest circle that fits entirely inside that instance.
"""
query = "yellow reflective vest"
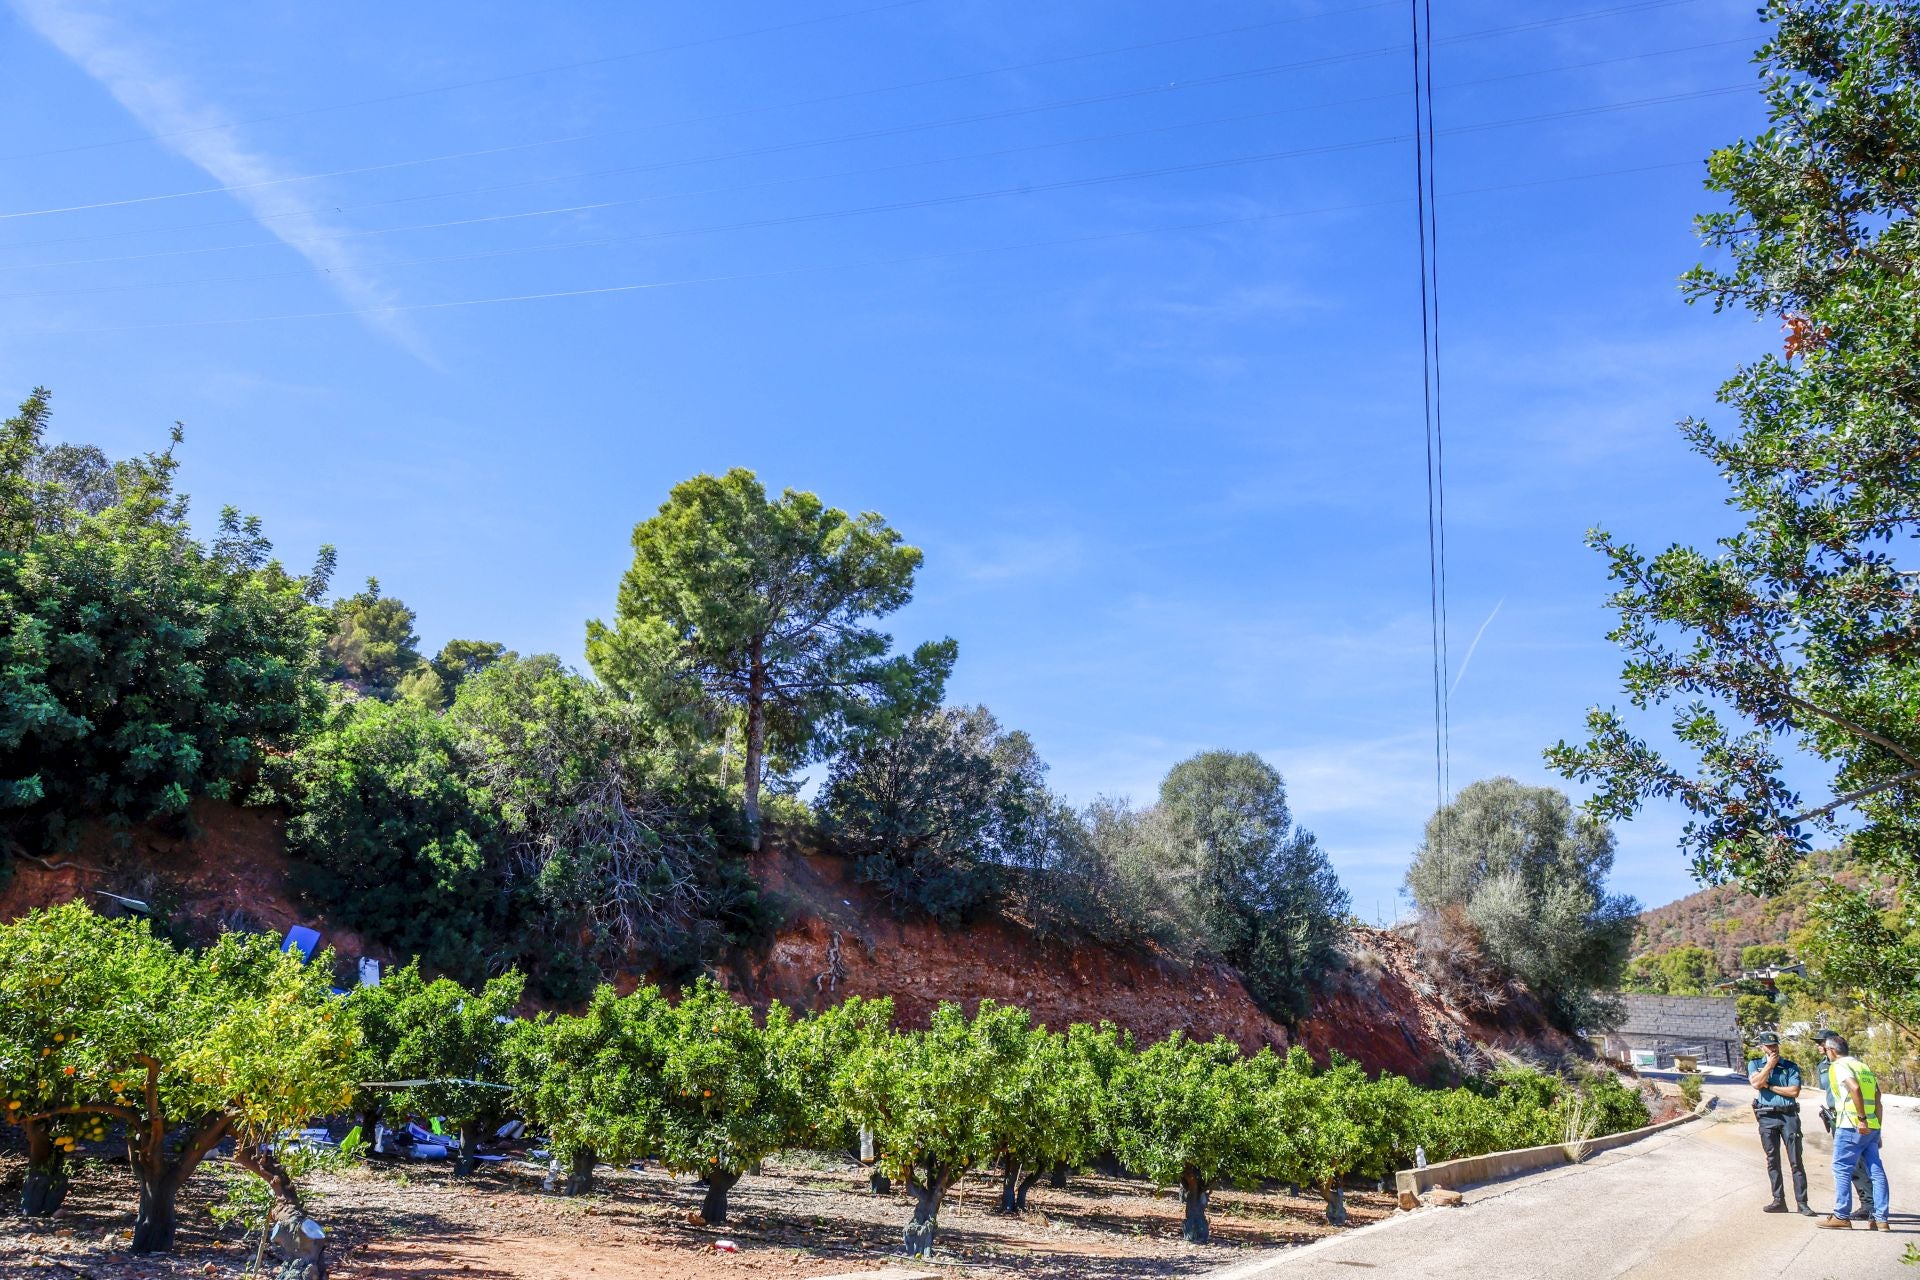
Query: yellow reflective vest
(1850, 1068)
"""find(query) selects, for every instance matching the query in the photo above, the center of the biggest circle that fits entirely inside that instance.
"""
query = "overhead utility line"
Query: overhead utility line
(1428, 234)
(859, 136)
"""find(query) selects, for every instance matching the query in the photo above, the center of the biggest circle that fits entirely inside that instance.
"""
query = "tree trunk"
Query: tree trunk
(580, 1175)
(1336, 1197)
(1010, 1186)
(756, 742)
(156, 1217)
(465, 1163)
(298, 1239)
(1026, 1185)
(1058, 1178)
(1193, 1193)
(926, 1210)
(713, 1209)
(880, 1183)
(47, 1177)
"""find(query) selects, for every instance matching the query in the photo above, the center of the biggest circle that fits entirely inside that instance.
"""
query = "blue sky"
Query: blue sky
(1111, 308)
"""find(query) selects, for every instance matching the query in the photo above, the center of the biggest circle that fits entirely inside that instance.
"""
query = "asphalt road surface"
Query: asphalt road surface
(1681, 1205)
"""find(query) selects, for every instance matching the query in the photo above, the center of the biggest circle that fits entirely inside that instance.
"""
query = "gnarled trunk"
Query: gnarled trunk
(296, 1238)
(1014, 1186)
(1058, 1178)
(1193, 1194)
(713, 1209)
(580, 1174)
(1336, 1197)
(47, 1178)
(879, 1183)
(927, 1198)
(157, 1216)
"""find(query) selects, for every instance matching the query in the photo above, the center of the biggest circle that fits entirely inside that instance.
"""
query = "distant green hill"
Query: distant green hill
(1723, 919)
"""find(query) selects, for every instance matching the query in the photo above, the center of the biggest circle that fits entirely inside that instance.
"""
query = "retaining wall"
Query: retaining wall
(1495, 1165)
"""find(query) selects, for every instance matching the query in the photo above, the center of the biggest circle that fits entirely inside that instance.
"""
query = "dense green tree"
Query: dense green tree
(1530, 876)
(453, 1038)
(461, 660)
(101, 1021)
(1689, 971)
(396, 839)
(1194, 1114)
(1054, 1111)
(935, 811)
(1789, 650)
(737, 604)
(371, 642)
(1762, 955)
(139, 667)
(724, 1102)
(928, 1099)
(601, 823)
(1266, 897)
(591, 1081)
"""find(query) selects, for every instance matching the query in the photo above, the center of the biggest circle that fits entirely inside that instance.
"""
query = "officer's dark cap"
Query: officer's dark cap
(1767, 1037)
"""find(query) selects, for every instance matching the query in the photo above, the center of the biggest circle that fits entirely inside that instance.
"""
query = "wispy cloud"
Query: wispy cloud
(1475, 645)
(199, 132)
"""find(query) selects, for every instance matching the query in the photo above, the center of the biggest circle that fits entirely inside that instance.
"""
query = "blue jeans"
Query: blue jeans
(1852, 1148)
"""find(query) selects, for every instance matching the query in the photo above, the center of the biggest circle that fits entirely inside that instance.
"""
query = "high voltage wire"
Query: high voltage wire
(594, 206)
(1020, 189)
(890, 131)
(866, 264)
(1427, 229)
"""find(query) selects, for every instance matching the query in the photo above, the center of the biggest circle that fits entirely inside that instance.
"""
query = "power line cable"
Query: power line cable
(864, 135)
(1420, 189)
(866, 264)
(1439, 432)
(1020, 189)
(594, 206)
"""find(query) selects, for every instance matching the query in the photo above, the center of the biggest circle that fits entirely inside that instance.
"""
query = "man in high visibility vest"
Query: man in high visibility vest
(1856, 1135)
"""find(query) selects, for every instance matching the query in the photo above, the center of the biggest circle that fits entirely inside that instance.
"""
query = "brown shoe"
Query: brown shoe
(1873, 1225)
(1835, 1224)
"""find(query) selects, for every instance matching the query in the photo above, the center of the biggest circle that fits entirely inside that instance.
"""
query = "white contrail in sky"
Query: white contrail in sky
(1475, 645)
(199, 132)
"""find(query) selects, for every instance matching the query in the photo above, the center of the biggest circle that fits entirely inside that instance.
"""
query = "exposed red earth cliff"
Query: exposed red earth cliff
(1380, 1008)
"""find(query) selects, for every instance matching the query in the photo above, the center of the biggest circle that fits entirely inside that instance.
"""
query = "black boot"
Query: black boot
(1778, 1206)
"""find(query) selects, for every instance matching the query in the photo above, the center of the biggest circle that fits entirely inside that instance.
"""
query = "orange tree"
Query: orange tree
(724, 1101)
(931, 1097)
(1197, 1115)
(101, 1022)
(810, 1053)
(441, 1047)
(591, 1081)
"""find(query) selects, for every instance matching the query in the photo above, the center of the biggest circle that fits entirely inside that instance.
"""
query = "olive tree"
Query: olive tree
(1529, 873)
(102, 1021)
(591, 1080)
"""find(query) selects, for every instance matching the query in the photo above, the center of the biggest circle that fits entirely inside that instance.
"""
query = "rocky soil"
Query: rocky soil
(803, 1217)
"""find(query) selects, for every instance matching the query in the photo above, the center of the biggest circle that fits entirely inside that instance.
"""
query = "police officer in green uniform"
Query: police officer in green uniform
(1776, 1105)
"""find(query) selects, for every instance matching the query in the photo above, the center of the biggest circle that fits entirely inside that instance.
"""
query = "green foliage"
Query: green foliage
(591, 1081)
(1795, 637)
(371, 643)
(1264, 894)
(724, 1102)
(460, 660)
(1762, 955)
(741, 607)
(1870, 952)
(1530, 877)
(441, 1032)
(395, 839)
(1690, 1088)
(101, 1021)
(935, 811)
(139, 667)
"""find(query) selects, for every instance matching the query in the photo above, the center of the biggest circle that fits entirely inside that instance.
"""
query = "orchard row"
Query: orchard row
(101, 1022)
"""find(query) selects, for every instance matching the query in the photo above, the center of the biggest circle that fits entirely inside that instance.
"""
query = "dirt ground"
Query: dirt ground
(803, 1217)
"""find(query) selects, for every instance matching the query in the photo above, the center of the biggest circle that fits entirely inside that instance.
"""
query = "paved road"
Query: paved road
(1680, 1205)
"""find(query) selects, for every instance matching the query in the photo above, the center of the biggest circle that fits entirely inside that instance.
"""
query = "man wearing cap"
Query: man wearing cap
(1862, 1188)
(1856, 1135)
(1776, 1105)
